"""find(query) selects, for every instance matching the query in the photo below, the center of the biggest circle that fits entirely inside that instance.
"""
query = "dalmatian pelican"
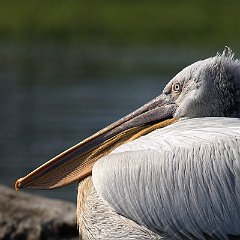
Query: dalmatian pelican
(169, 170)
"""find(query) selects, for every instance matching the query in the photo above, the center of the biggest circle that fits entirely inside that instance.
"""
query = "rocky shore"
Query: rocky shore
(26, 216)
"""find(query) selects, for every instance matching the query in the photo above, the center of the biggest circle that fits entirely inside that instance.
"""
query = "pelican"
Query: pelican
(169, 170)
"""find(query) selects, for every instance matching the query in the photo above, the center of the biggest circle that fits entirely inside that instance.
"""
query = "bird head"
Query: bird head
(207, 88)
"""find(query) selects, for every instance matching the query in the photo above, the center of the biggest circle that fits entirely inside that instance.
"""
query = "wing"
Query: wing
(183, 179)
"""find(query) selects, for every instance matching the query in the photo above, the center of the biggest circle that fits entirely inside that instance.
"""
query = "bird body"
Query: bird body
(97, 220)
(163, 180)
(169, 170)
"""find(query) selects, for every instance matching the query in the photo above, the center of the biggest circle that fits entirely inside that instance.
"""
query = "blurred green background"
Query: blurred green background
(182, 23)
(69, 68)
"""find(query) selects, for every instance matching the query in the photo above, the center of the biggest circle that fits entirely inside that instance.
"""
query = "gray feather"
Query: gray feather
(183, 179)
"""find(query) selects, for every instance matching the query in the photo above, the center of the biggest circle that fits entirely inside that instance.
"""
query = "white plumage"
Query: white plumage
(183, 179)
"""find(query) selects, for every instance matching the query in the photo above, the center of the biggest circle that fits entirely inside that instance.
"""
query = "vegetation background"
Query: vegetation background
(126, 22)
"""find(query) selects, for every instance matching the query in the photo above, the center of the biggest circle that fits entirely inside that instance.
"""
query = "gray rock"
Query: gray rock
(27, 216)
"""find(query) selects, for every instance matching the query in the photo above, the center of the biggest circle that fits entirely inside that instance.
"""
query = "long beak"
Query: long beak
(76, 162)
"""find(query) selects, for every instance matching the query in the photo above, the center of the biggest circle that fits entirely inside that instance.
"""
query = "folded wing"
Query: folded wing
(183, 179)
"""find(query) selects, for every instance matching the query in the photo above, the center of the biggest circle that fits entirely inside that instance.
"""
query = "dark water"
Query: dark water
(52, 97)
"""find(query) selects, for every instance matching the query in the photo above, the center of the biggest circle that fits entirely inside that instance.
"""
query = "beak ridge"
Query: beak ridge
(77, 162)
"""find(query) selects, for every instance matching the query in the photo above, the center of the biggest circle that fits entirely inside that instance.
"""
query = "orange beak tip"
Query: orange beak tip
(18, 184)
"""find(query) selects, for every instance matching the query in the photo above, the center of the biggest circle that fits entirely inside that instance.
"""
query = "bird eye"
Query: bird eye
(176, 87)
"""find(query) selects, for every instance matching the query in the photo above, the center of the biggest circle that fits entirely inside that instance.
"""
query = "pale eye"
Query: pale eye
(176, 87)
